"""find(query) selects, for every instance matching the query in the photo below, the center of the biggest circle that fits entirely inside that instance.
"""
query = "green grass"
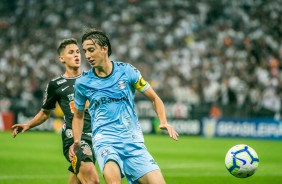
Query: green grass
(36, 158)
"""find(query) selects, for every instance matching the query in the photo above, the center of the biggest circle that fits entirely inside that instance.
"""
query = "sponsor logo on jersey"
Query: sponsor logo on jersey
(106, 100)
(61, 81)
(121, 84)
(64, 127)
(65, 88)
(86, 150)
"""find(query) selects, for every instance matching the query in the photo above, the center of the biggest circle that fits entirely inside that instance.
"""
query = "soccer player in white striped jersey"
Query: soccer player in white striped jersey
(117, 138)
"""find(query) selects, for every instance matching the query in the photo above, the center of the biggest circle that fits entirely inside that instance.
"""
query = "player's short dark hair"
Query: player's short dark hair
(64, 43)
(98, 37)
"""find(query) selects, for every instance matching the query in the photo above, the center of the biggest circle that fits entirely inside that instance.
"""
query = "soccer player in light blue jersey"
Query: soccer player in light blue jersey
(110, 88)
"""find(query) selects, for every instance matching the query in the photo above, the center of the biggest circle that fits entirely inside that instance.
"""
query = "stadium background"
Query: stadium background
(215, 63)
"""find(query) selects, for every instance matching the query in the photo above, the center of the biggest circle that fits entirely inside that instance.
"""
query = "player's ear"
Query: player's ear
(105, 48)
(61, 58)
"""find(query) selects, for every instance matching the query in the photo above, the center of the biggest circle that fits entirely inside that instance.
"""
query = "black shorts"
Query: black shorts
(85, 153)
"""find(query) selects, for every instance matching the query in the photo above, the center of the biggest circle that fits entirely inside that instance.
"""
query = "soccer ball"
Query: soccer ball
(241, 161)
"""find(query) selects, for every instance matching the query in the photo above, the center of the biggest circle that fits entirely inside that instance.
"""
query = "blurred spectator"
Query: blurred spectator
(197, 52)
(215, 111)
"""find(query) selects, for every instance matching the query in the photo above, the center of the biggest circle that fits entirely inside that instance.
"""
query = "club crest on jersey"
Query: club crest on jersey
(69, 133)
(121, 84)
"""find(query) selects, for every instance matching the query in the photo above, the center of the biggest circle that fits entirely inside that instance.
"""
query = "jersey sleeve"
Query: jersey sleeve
(79, 97)
(137, 80)
(50, 98)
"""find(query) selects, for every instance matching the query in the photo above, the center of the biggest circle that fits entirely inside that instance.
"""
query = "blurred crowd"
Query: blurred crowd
(220, 57)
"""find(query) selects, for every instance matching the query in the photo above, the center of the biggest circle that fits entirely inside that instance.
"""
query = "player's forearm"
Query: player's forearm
(157, 104)
(160, 110)
(77, 125)
(40, 118)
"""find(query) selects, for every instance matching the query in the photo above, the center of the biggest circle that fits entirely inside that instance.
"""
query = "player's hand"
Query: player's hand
(73, 149)
(171, 132)
(19, 128)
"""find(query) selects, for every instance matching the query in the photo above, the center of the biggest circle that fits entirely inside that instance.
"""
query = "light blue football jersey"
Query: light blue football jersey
(111, 103)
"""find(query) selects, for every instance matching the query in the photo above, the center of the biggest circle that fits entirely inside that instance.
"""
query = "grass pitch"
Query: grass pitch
(36, 158)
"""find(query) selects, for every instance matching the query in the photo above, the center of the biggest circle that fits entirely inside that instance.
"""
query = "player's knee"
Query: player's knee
(112, 173)
(112, 179)
(88, 179)
(88, 172)
(93, 180)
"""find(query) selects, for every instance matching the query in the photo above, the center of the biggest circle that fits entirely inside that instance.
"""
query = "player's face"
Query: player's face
(71, 56)
(94, 53)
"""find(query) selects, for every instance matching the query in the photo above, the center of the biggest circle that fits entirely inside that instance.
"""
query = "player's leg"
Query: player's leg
(87, 173)
(112, 172)
(153, 177)
(83, 165)
(140, 166)
(73, 179)
(110, 163)
(66, 144)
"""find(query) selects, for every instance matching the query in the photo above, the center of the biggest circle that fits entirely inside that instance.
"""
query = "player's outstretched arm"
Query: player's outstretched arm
(160, 110)
(40, 118)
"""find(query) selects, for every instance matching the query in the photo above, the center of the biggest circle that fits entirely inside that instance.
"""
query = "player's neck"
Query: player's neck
(71, 73)
(105, 70)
